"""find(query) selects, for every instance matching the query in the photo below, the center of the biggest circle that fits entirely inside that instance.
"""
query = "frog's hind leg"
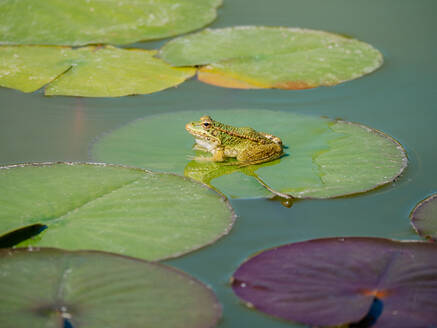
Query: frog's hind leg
(273, 138)
(259, 154)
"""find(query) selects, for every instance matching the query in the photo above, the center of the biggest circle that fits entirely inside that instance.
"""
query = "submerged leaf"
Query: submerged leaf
(110, 208)
(424, 218)
(80, 22)
(324, 158)
(54, 288)
(88, 72)
(251, 57)
(335, 281)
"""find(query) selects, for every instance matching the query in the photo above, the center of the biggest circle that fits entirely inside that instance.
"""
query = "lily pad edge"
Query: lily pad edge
(252, 307)
(233, 215)
(217, 305)
(152, 52)
(288, 196)
(432, 197)
(280, 27)
(382, 184)
(216, 7)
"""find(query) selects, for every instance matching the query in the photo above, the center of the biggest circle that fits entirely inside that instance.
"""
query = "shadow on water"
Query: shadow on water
(67, 324)
(371, 317)
(17, 236)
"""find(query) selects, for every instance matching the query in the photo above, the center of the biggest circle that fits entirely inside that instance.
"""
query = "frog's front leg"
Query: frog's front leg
(218, 154)
(256, 154)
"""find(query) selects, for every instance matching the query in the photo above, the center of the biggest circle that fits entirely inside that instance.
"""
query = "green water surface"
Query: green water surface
(399, 99)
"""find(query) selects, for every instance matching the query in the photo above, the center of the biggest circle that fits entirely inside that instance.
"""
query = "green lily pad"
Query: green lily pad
(44, 288)
(88, 71)
(424, 218)
(324, 158)
(117, 209)
(81, 22)
(251, 57)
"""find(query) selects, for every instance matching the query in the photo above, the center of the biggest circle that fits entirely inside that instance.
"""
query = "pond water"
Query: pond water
(398, 99)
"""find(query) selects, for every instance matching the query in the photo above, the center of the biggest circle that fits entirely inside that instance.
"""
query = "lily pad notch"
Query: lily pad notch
(257, 57)
(337, 281)
(124, 210)
(325, 158)
(424, 218)
(91, 289)
(94, 71)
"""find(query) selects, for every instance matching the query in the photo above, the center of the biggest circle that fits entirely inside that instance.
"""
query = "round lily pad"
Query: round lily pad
(53, 288)
(81, 22)
(424, 218)
(335, 281)
(251, 57)
(323, 158)
(88, 71)
(111, 208)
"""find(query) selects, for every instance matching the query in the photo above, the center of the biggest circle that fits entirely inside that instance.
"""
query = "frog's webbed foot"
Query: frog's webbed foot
(273, 138)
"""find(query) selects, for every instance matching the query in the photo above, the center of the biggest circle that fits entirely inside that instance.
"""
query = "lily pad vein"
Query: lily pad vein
(266, 56)
(101, 196)
(384, 273)
(59, 76)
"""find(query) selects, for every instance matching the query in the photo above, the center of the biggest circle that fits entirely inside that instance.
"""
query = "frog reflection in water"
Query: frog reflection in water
(224, 141)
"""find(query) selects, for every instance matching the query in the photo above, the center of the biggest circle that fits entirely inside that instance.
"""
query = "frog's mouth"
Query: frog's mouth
(201, 134)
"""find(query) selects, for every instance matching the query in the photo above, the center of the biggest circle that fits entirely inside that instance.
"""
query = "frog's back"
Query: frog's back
(247, 133)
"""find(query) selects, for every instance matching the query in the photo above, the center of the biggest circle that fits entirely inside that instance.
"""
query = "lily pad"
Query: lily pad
(251, 57)
(424, 218)
(117, 209)
(334, 281)
(53, 288)
(80, 22)
(324, 158)
(88, 71)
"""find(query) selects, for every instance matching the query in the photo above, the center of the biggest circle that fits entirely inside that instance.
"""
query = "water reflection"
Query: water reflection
(206, 171)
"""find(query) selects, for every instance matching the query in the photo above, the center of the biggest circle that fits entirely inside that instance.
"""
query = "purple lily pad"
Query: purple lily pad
(424, 218)
(335, 281)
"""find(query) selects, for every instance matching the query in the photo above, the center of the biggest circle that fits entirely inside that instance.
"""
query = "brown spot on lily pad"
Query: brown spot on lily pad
(222, 79)
(249, 57)
(294, 85)
(376, 293)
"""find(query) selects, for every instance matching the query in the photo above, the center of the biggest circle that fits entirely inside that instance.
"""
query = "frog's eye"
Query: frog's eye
(206, 125)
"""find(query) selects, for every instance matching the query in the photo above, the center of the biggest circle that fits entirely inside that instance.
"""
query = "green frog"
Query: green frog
(225, 141)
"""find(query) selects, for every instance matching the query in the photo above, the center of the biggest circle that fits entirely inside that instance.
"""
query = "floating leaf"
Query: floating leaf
(88, 71)
(324, 158)
(250, 57)
(424, 218)
(334, 281)
(54, 288)
(116, 209)
(81, 22)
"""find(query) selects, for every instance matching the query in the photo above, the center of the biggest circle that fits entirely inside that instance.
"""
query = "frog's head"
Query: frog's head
(204, 131)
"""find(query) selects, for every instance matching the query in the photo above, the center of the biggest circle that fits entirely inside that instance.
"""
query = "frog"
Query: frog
(223, 141)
